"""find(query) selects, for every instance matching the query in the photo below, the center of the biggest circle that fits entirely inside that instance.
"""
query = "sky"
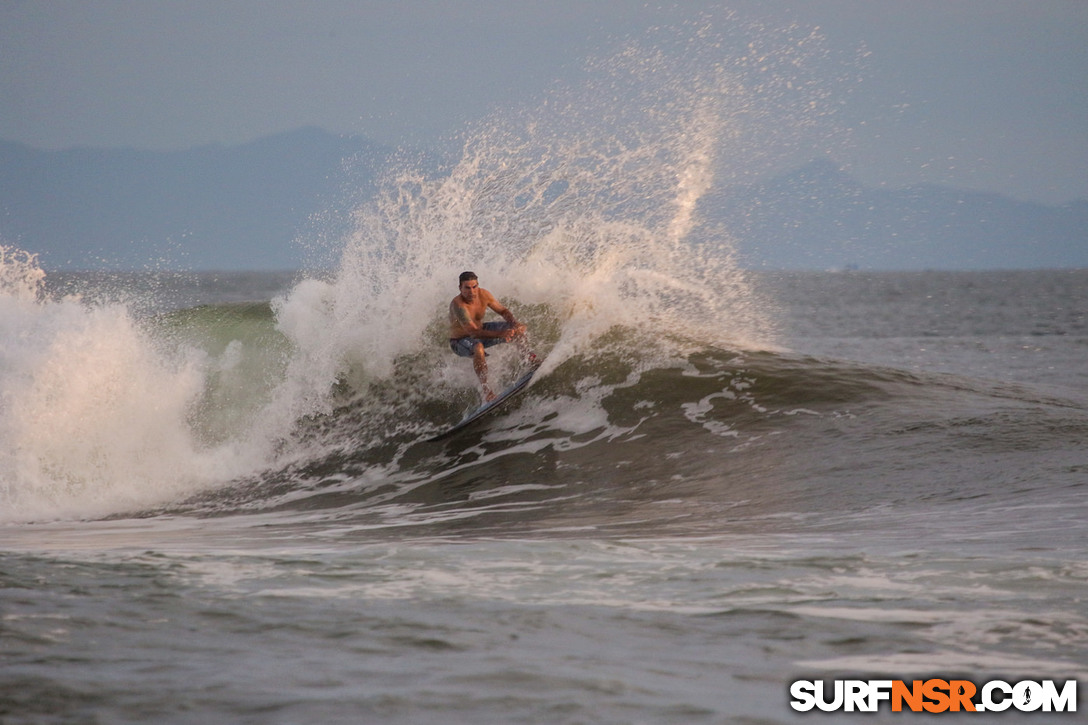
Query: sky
(990, 95)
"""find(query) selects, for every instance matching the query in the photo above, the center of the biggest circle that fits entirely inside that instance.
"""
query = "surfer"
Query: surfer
(470, 335)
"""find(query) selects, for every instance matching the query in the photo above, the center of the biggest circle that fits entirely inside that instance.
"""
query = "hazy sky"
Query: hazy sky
(983, 94)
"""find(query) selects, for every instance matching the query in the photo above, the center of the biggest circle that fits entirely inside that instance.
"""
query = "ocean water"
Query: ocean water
(641, 537)
(218, 502)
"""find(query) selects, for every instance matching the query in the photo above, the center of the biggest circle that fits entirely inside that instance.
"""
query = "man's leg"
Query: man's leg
(527, 354)
(479, 364)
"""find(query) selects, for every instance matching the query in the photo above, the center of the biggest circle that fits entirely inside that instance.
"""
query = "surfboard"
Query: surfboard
(488, 407)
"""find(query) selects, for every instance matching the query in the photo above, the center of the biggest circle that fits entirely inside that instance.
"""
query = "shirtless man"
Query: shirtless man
(470, 335)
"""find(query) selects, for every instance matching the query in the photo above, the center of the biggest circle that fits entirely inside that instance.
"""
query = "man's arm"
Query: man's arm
(462, 319)
(501, 309)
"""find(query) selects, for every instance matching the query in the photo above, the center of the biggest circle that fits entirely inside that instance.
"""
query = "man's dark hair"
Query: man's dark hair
(465, 277)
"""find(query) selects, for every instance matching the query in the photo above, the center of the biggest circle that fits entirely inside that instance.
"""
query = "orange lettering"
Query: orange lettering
(935, 691)
(913, 696)
(961, 692)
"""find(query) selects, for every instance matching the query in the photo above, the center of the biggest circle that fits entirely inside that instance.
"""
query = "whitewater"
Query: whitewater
(219, 502)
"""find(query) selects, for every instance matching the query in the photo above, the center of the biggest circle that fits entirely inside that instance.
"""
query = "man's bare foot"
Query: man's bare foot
(489, 394)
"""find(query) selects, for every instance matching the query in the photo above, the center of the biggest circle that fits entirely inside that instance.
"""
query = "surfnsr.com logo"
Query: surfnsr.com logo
(934, 696)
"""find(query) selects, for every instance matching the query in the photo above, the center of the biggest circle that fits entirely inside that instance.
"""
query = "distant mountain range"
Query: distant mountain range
(247, 207)
(213, 207)
(820, 217)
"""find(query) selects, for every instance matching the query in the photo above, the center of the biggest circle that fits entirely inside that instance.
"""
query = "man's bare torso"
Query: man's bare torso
(462, 311)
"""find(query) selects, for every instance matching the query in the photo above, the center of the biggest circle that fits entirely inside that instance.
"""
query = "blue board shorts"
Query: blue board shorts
(464, 346)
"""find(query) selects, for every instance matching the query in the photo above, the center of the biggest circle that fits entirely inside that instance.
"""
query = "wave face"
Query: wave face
(632, 431)
(621, 439)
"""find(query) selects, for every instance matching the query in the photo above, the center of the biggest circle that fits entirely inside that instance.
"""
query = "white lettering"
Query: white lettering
(1027, 696)
(1065, 701)
(879, 690)
(835, 704)
(804, 698)
(856, 695)
(988, 698)
(993, 696)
